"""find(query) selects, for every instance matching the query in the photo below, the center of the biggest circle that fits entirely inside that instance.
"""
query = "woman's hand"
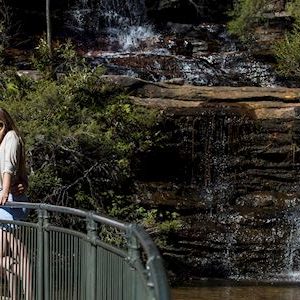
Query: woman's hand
(3, 198)
(18, 189)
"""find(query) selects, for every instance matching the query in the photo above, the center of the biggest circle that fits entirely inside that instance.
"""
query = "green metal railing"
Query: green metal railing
(65, 253)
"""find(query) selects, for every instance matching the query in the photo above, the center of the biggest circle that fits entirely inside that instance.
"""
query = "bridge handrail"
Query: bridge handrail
(154, 264)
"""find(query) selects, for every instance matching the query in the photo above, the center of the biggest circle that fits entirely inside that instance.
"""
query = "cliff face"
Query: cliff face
(230, 168)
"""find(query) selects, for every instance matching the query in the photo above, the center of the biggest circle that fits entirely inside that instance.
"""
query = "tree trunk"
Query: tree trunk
(48, 21)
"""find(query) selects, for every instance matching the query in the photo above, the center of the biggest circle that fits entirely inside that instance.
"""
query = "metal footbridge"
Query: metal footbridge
(63, 253)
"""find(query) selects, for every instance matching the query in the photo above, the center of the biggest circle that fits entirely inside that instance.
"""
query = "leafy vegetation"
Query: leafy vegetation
(83, 136)
(287, 50)
(293, 8)
(63, 59)
(247, 13)
(244, 14)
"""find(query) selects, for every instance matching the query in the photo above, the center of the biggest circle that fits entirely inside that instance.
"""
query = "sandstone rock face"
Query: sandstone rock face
(230, 168)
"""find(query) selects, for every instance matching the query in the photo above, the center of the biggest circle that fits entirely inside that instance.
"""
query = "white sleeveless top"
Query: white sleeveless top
(10, 153)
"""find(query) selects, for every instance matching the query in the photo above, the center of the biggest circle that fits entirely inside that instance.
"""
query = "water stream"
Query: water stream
(126, 43)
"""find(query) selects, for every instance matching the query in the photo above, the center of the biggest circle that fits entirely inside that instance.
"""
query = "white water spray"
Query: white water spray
(124, 22)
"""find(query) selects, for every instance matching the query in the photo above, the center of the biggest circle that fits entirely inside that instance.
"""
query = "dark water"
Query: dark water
(239, 292)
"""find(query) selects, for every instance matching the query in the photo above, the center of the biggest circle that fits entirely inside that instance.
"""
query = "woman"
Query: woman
(13, 255)
(12, 165)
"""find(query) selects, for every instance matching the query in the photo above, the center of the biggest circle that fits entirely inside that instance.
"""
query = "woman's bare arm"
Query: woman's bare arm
(6, 188)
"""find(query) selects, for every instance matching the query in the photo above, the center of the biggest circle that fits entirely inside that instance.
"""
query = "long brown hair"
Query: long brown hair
(9, 124)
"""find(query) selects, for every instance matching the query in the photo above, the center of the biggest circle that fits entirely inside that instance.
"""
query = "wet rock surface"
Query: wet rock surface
(200, 54)
(230, 168)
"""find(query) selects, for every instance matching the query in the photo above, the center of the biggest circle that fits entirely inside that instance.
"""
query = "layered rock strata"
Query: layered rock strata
(230, 168)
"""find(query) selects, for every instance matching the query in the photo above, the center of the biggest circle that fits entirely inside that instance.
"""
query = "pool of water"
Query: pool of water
(229, 291)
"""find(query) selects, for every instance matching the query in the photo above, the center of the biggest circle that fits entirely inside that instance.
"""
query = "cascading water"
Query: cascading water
(292, 251)
(127, 44)
(124, 22)
(235, 226)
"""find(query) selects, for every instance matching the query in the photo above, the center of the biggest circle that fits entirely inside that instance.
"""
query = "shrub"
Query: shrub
(244, 14)
(293, 8)
(62, 59)
(248, 12)
(82, 136)
(287, 52)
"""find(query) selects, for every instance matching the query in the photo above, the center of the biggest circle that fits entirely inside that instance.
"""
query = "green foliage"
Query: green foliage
(293, 8)
(159, 223)
(244, 14)
(83, 138)
(61, 59)
(287, 52)
(82, 135)
(42, 58)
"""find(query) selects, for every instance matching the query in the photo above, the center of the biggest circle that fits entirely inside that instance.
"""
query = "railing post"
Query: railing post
(40, 261)
(133, 255)
(46, 255)
(91, 253)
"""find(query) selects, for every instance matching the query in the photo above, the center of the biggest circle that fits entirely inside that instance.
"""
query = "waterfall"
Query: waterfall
(119, 13)
(292, 259)
(123, 21)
